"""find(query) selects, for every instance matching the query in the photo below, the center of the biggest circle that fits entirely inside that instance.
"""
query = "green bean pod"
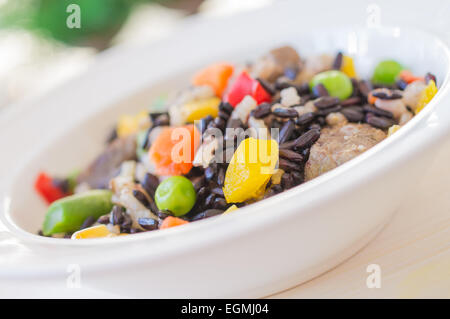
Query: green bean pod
(69, 213)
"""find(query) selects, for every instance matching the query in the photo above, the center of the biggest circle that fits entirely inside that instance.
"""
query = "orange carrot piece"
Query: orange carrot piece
(371, 99)
(408, 77)
(171, 221)
(215, 75)
(174, 149)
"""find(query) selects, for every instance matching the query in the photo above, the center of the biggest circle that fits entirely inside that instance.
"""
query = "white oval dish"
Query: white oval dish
(266, 247)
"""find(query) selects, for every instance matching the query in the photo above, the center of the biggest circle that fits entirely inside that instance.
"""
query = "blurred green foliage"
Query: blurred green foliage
(100, 19)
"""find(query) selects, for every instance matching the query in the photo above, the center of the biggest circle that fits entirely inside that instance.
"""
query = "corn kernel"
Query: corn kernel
(426, 95)
(230, 209)
(130, 124)
(92, 232)
(198, 109)
(348, 66)
(276, 177)
(393, 129)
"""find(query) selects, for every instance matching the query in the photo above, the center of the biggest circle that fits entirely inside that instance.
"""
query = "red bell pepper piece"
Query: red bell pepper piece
(245, 85)
(44, 186)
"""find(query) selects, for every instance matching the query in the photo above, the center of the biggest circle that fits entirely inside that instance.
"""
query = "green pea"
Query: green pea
(337, 83)
(386, 72)
(176, 194)
(69, 213)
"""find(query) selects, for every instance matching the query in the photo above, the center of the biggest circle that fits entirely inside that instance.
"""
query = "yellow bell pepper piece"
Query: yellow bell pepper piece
(130, 124)
(393, 129)
(230, 209)
(198, 109)
(348, 66)
(93, 232)
(426, 95)
(250, 168)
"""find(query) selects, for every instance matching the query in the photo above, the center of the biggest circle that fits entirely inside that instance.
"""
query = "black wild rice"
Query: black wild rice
(306, 118)
(148, 223)
(221, 173)
(401, 84)
(261, 111)
(377, 111)
(386, 94)
(379, 122)
(207, 213)
(305, 140)
(337, 63)
(365, 87)
(88, 222)
(140, 197)
(116, 216)
(286, 131)
(351, 101)
(353, 115)
(285, 113)
(290, 155)
(218, 191)
(287, 165)
(150, 183)
(325, 112)
(103, 219)
(326, 102)
(267, 86)
(320, 90)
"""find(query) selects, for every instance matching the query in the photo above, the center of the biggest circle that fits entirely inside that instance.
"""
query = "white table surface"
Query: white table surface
(413, 251)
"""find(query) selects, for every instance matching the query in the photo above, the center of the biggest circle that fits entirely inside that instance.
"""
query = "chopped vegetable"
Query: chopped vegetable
(371, 99)
(171, 221)
(386, 72)
(198, 109)
(176, 194)
(130, 124)
(427, 94)
(68, 214)
(250, 168)
(216, 76)
(93, 232)
(411, 94)
(173, 150)
(337, 83)
(393, 129)
(245, 85)
(348, 66)
(408, 77)
(230, 209)
(47, 189)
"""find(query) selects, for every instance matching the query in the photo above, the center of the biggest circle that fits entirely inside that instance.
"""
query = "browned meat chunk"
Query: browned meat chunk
(107, 164)
(338, 145)
(272, 65)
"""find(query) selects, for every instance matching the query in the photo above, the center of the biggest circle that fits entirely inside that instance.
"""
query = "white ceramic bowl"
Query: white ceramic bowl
(261, 249)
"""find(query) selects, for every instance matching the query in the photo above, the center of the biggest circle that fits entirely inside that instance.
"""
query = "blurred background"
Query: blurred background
(38, 51)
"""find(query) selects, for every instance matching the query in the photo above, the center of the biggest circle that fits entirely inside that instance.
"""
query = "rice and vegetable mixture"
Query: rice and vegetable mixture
(238, 134)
